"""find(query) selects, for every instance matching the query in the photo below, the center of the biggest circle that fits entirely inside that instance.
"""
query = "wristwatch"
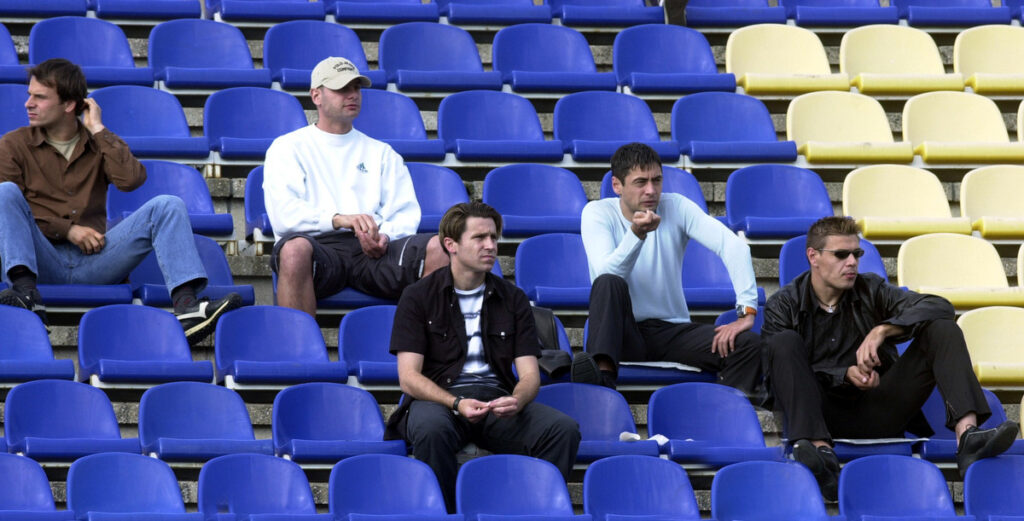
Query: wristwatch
(742, 311)
(455, 404)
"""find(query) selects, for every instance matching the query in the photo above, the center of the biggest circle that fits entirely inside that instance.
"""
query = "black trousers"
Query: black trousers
(937, 357)
(615, 333)
(537, 430)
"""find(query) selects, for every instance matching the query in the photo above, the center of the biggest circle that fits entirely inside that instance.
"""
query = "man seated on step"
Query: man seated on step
(53, 198)
(834, 369)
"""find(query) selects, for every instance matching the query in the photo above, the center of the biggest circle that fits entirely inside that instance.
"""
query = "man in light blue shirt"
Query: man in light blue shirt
(635, 248)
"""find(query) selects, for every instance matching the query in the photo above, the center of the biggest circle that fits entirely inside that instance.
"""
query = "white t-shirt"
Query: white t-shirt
(475, 371)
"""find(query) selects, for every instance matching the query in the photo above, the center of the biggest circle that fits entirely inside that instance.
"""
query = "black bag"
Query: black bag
(553, 360)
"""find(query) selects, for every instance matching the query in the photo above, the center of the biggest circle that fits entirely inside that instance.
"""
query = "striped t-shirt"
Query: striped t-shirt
(475, 371)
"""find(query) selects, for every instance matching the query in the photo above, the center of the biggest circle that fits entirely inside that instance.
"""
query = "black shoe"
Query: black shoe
(200, 319)
(584, 370)
(31, 301)
(976, 444)
(823, 463)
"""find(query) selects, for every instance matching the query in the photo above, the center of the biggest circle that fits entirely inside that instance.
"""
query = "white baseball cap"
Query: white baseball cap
(334, 73)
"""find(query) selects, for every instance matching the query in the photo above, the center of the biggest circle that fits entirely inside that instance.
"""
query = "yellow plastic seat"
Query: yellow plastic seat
(991, 58)
(843, 127)
(993, 337)
(964, 269)
(991, 197)
(958, 127)
(780, 59)
(897, 201)
(893, 59)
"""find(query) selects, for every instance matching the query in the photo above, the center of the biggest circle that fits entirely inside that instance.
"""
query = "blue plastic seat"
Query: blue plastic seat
(612, 490)
(149, 286)
(319, 422)
(146, 9)
(10, 70)
(673, 180)
(42, 8)
(615, 13)
(941, 446)
(877, 486)
(708, 423)
(766, 490)
(395, 119)
(956, 13)
(26, 353)
(592, 125)
(256, 217)
(12, 107)
(292, 49)
(666, 58)
(120, 487)
(273, 345)
(126, 343)
(61, 420)
(242, 487)
(706, 282)
(793, 259)
(534, 199)
(363, 339)
(424, 56)
(485, 125)
(552, 270)
(541, 57)
(1015, 8)
(99, 47)
(83, 295)
(732, 13)
(203, 54)
(839, 13)
(382, 11)
(602, 414)
(502, 12)
(193, 421)
(777, 201)
(386, 487)
(725, 126)
(992, 489)
(241, 122)
(152, 122)
(437, 190)
(25, 493)
(179, 180)
(266, 10)
(530, 487)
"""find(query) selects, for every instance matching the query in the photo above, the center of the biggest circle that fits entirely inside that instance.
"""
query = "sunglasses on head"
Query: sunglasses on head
(842, 254)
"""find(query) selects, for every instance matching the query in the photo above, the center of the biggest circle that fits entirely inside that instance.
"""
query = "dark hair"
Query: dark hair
(453, 224)
(65, 77)
(826, 226)
(632, 155)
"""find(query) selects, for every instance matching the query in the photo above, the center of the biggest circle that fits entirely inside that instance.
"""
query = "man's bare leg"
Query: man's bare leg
(435, 258)
(295, 276)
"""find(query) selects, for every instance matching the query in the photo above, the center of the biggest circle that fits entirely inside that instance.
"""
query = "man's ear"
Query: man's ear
(616, 185)
(449, 245)
(812, 256)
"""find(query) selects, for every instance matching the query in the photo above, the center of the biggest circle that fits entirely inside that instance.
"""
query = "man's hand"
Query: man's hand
(867, 353)
(645, 222)
(88, 240)
(91, 117)
(725, 336)
(373, 249)
(473, 410)
(505, 406)
(359, 222)
(862, 380)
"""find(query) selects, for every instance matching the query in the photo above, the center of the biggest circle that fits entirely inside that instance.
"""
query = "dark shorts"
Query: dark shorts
(339, 262)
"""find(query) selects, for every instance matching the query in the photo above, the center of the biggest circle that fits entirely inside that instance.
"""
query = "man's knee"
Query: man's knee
(431, 427)
(10, 195)
(166, 205)
(609, 283)
(943, 328)
(295, 256)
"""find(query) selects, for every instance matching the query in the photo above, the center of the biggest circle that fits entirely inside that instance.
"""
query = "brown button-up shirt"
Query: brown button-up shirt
(63, 192)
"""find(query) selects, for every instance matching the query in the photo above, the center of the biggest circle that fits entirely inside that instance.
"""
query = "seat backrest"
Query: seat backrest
(8, 54)
(704, 412)
(775, 191)
(365, 335)
(129, 332)
(58, 409)
(775, 49)
(991, 334)
(557, 4)
(136, 111)
(25, 336)
(117, 482)
(529, 486)
(604, 116)
(601, 413)
(552, 259)
(384, 484)
(162, 178)
(992, 487)
(12, 107)
(703, 268)
(244, 484)
(661, 48)
(198, 43)
(975, 264)
(84, 41)
(427, 46)
(837, 117)
(764, 491)
(721, 116)
(533, 189)
(192, 410)
(437, 188)
(483, 114)
(791, 5)
(993, 191)
(269, 334)
(610, 486)
(218, 271)
(994, 49)
(894, 191)
(24, 485)
(251, 112)
(953, 117)
(870, 49)
(302, 44)
(326, 411)
(877, 485)
(255, 206)
(904, 5)
(673, 180)
(793, 260)
(389, 115)
(541, 47)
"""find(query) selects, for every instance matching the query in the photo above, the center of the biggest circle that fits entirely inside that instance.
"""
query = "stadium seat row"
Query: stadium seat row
(848, 13)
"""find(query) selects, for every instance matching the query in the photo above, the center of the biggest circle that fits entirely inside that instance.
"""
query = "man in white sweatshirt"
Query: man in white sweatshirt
(341, 203)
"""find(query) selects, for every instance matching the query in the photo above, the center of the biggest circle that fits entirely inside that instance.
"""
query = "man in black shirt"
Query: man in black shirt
(457, 334)
(835, 371)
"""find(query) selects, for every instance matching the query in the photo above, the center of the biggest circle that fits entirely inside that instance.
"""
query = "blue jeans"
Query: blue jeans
(160, 225)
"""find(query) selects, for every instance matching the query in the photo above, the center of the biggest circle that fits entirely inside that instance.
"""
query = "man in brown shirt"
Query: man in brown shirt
(53, 189)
